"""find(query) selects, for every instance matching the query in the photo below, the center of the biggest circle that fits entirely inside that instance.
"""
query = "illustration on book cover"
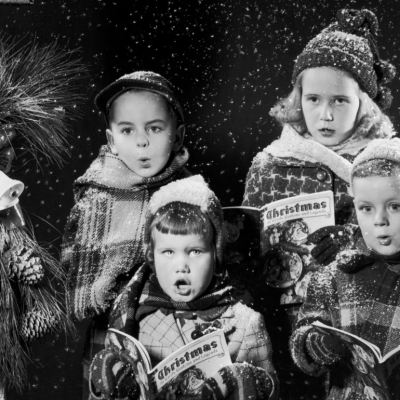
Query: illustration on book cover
(271, 243)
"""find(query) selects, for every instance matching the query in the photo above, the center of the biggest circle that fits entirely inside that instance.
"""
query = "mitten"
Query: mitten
(112, 375)
(324, 349)
(243, 379)
(329, 241)
(350, 261)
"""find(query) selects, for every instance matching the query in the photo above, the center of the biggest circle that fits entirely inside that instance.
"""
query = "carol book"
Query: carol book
(269, 245)
(377, 376)
(182, 373)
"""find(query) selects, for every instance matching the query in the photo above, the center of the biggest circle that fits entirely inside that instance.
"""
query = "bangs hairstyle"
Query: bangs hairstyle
(178, 218)
(111, 106)
(288, 110)
(377, 167)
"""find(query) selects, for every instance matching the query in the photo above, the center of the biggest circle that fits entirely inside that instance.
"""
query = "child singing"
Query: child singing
(103, 242)
(186, 296)
(334, 111)
(358, 293)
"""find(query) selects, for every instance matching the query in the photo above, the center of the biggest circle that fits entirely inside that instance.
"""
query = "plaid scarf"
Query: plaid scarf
(143, 295)
(103, 240)
(208, 307)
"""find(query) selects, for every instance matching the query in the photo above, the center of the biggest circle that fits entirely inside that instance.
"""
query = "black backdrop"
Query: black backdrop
(231, 60)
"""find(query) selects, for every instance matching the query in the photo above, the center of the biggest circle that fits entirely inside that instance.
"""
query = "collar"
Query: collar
(293, 145)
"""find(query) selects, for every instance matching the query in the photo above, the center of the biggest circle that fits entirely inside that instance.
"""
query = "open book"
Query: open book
(379, 376)
(270, 244)
(183, 372)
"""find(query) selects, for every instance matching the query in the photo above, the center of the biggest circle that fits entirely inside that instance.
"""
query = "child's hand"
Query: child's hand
(329, 241)
(324, 349)
(111, 375)
(248, 381)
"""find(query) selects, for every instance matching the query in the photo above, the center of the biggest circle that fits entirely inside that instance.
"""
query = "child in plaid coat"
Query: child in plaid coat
(103, 241)
(359, 292)
(185, 297)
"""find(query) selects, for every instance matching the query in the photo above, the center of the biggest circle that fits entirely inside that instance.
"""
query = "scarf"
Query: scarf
(306, 148)
(103, 241)
(211, 305)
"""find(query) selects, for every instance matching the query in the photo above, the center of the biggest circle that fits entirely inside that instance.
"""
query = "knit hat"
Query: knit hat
(144, 80)
(349, 44)
(192, 190)
(378, 149)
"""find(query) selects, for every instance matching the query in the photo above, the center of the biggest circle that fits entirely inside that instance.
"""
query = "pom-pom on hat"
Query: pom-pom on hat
(378, 149)
(143, 80)
(193, 190)
(350, 44)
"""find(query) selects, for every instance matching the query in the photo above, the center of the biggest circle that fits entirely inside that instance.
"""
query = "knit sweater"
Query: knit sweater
(364, 302)
(103, 241)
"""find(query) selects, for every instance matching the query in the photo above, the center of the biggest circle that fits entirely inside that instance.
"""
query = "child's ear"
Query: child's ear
(110, 140)
(179, 135)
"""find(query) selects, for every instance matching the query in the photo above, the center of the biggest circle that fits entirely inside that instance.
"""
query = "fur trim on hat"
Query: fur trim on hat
(383, 149)
(193, 190)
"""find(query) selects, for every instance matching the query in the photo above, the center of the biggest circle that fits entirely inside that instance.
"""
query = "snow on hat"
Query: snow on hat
(378, 149)
(144, 80)
(193, 190)
(349, 44)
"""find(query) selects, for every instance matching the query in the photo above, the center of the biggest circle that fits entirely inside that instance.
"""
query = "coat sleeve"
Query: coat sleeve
(320, 305)
(70, 249)
(256, 348)
(259, 182)
(71, 228)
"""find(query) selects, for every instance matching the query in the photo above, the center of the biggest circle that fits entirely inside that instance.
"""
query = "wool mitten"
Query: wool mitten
(350, 261)
(112, 375)
(239, 380)
(329, 241)
(324, 349)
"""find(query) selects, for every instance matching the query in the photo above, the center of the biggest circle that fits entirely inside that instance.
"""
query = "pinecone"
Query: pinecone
(19, 264)
(35, 324)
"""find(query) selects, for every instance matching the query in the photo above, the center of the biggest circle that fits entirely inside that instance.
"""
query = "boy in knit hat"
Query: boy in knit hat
(333, 112)
(358, 292)
(103, 242)
(185, 296)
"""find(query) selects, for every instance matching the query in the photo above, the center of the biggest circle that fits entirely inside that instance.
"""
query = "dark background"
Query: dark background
(231, 60)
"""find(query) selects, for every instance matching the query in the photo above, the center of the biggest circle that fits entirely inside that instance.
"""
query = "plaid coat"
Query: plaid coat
(103, 240)
(365, 303)
(244, 329)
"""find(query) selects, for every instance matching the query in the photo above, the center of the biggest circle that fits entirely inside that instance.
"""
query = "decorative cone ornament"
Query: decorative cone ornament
(20, 264)
(35, 324)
